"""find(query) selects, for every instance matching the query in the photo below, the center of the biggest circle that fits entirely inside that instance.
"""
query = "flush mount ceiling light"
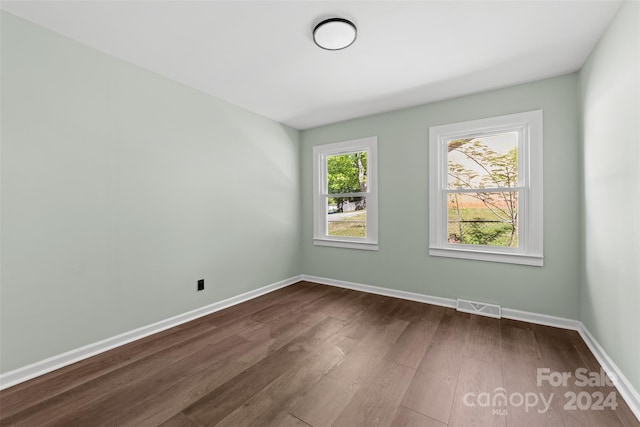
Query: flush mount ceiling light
(334, 34)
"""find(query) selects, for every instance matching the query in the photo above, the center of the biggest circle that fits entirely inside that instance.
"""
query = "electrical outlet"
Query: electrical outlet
(201, 285)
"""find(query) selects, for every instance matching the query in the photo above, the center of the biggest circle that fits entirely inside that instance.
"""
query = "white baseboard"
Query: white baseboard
(42, 367)
(541, 319)
(624, 386)
(412, 296)
(626, 389)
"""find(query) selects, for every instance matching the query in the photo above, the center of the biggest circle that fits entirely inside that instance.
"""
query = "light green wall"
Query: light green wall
(120, 189)
(403, 262)
(610, 91)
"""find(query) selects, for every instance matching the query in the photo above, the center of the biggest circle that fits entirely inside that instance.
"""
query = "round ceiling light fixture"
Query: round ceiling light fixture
(335, 34)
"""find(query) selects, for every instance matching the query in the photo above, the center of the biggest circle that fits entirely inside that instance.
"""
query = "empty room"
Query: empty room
(320, 213)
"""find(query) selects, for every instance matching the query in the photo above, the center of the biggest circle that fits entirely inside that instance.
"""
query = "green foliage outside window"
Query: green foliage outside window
(487, 216)
(347, 173)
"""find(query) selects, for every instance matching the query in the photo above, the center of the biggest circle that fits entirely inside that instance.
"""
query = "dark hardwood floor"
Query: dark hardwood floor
(314, 355)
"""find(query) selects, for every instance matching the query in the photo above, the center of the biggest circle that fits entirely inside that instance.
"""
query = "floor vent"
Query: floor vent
(481, 308)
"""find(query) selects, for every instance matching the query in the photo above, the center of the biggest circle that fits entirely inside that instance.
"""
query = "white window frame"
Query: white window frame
(530, 183)
(320, 193)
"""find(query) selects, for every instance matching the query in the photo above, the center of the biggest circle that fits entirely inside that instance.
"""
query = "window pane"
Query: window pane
(347, 173)
(483, 162)
(489, 218)
(347, 216)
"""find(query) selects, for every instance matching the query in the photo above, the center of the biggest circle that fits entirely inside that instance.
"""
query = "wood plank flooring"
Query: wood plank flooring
(314, 355)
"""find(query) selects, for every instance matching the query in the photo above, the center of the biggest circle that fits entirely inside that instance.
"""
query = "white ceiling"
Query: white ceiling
(260, 54)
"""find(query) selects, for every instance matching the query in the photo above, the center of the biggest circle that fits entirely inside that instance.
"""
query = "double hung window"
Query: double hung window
(345, 194)
(486, 189)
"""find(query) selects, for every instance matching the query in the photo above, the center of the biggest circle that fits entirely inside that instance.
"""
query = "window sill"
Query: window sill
(348, 244)
(504, 257)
